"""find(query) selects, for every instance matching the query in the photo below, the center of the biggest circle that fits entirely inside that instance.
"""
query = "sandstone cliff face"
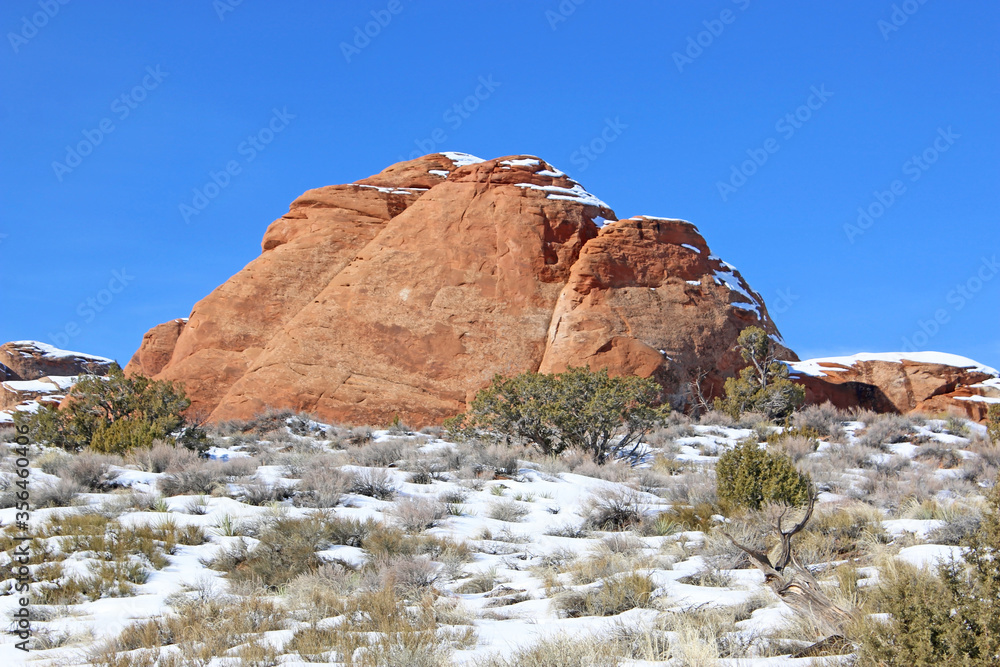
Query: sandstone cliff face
(646, 297)
(404, 293)
(926, 382)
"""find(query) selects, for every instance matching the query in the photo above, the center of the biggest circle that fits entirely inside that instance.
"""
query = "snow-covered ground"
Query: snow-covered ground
(537, 547)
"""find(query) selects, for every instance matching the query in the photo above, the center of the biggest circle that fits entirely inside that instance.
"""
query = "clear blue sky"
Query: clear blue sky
(198, 80)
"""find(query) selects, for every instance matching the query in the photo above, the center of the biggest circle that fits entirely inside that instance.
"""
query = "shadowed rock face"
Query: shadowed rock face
(404, 293)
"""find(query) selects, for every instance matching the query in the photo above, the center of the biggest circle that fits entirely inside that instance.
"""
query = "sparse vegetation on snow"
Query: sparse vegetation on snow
(292, 541)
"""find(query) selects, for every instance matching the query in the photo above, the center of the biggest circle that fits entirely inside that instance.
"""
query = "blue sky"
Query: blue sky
(844, 156)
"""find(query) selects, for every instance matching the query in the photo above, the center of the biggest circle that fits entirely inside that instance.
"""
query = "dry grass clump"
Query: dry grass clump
(287, 548)
(199, 629)
(117, 557)
(614, 595)
(561, 651)
(698, 516)
(380, 629)
(480, 582)
(840, 532)
(508, 510)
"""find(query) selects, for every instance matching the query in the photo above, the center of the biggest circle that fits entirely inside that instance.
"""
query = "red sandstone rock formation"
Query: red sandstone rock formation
(30, 370)
(927, 382)
(402, 294)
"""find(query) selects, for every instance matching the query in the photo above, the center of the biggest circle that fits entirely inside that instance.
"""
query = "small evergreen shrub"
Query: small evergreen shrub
(993, 422)
(583, 409)
(749, 476)
(112, 415)
(951, 618)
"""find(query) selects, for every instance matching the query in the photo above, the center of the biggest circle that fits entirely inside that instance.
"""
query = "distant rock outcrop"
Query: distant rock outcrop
(927, 382)
(35, 371)
(402, 294)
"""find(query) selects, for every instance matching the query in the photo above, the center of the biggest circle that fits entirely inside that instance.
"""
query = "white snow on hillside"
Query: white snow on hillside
(53, 353)
(814, 366)
(529, 531)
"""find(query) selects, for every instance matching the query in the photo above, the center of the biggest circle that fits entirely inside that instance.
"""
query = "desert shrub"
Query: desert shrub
(162, 457)
(286, 548)
(494, 461)
(323, 483)
(763, 385)
(258, 492)
(91, 471)
(480, 582)
(374, 482)
(61, 494)
(993, 423)
(614, 509)
(382, 453)
(508, 510)
(796, 443)
(199, 478)
(53, 461)
(886, 429)
(417, 514)
(749, 476)
(110, 414)
(951, 617)
(407, 574)
(823, 419)
(602, 415)
(958, 530)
